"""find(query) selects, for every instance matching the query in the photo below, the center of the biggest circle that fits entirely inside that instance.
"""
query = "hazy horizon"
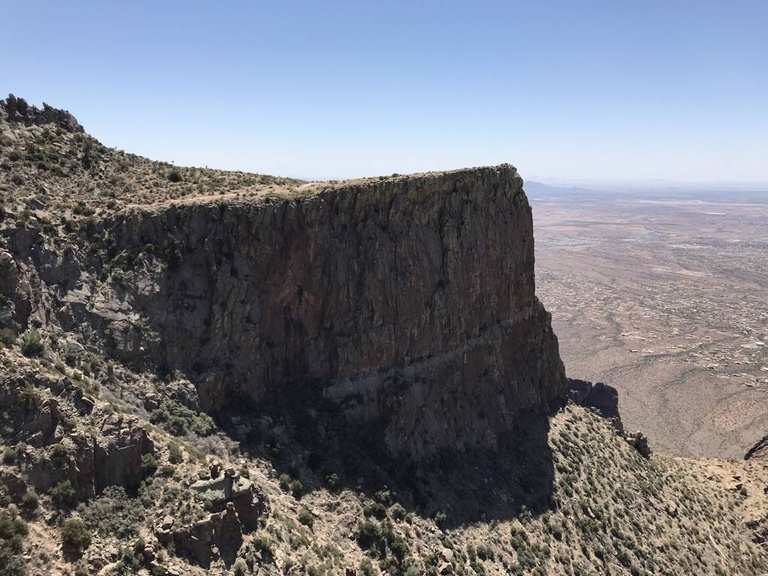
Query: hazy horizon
(652, 94)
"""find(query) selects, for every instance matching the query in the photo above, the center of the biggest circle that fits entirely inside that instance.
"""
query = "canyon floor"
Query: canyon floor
(663, 295)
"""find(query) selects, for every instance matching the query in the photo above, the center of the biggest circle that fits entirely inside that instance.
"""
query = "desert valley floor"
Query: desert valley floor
(665, 297)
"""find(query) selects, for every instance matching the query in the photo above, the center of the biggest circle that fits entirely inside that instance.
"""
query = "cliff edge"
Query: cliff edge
(406, 300)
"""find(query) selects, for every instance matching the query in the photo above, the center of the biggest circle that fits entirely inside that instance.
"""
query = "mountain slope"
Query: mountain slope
(115, 460)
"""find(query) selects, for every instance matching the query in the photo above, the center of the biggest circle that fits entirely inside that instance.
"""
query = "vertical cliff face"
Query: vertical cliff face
(407, 301)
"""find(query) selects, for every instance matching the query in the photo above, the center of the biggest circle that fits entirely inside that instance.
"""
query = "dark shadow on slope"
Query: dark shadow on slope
(310, 440)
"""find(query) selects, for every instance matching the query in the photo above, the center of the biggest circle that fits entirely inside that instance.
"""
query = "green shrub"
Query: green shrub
(12, 532)
(30, 501)
(112, 513)
(10, 455)
(75, 535)
(375, 509)
(58, 454)
(180, 420)
(240, 568)
(11, 525)
(306, 517)
(368, 533)
(296, 488)
(175, 455)
(32, 343)
(148, 464)
(291, 485)
(366, 568)
(262, 543)
(63, 495)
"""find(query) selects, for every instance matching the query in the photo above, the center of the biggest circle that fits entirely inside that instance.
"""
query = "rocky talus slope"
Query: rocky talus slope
(206, 372)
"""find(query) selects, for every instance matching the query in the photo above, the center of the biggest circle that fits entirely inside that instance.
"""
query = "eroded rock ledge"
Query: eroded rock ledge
(407, 300)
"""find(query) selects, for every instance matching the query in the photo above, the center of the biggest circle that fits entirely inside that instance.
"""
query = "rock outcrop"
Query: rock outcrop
(600, 397)
(218, 535)
(759, 450)
(407, 301)
(228, 488)
(119, 452)
(604, 400)
(15, 109)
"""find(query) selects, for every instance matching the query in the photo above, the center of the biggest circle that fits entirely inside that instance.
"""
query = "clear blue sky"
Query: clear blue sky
(570, 90)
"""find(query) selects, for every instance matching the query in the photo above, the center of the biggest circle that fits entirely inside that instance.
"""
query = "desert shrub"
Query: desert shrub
(180, 420)
(63, 495)
(30, 501)
(10, 455)
(32, 343)
(382, 539)
(75, 535)
(112, 513)
(58, 454)
(292, 485)
(175, 455)
(375, 509)
(368, 533)
(262, 543)
(131, 558)
(240, 568)
(306, 517)
(366, 567)
(149, 464)
(174, 176)
(296, 487)
(397, 512)
(12, 532)
(11, 525)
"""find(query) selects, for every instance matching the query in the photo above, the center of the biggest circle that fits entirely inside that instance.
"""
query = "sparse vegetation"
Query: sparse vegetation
(180, 420)
(306, 517)
(113, 513)
(604, 507)
(63, 495)
(75, 535)
(30, 501)
(13, 530)
(10, 455)
(32, 343)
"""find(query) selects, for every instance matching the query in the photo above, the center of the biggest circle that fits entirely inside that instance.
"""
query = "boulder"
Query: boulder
(639, 441)
(220, 534)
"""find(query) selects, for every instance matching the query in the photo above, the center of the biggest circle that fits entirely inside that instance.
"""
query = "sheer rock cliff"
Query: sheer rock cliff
(407, 301)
